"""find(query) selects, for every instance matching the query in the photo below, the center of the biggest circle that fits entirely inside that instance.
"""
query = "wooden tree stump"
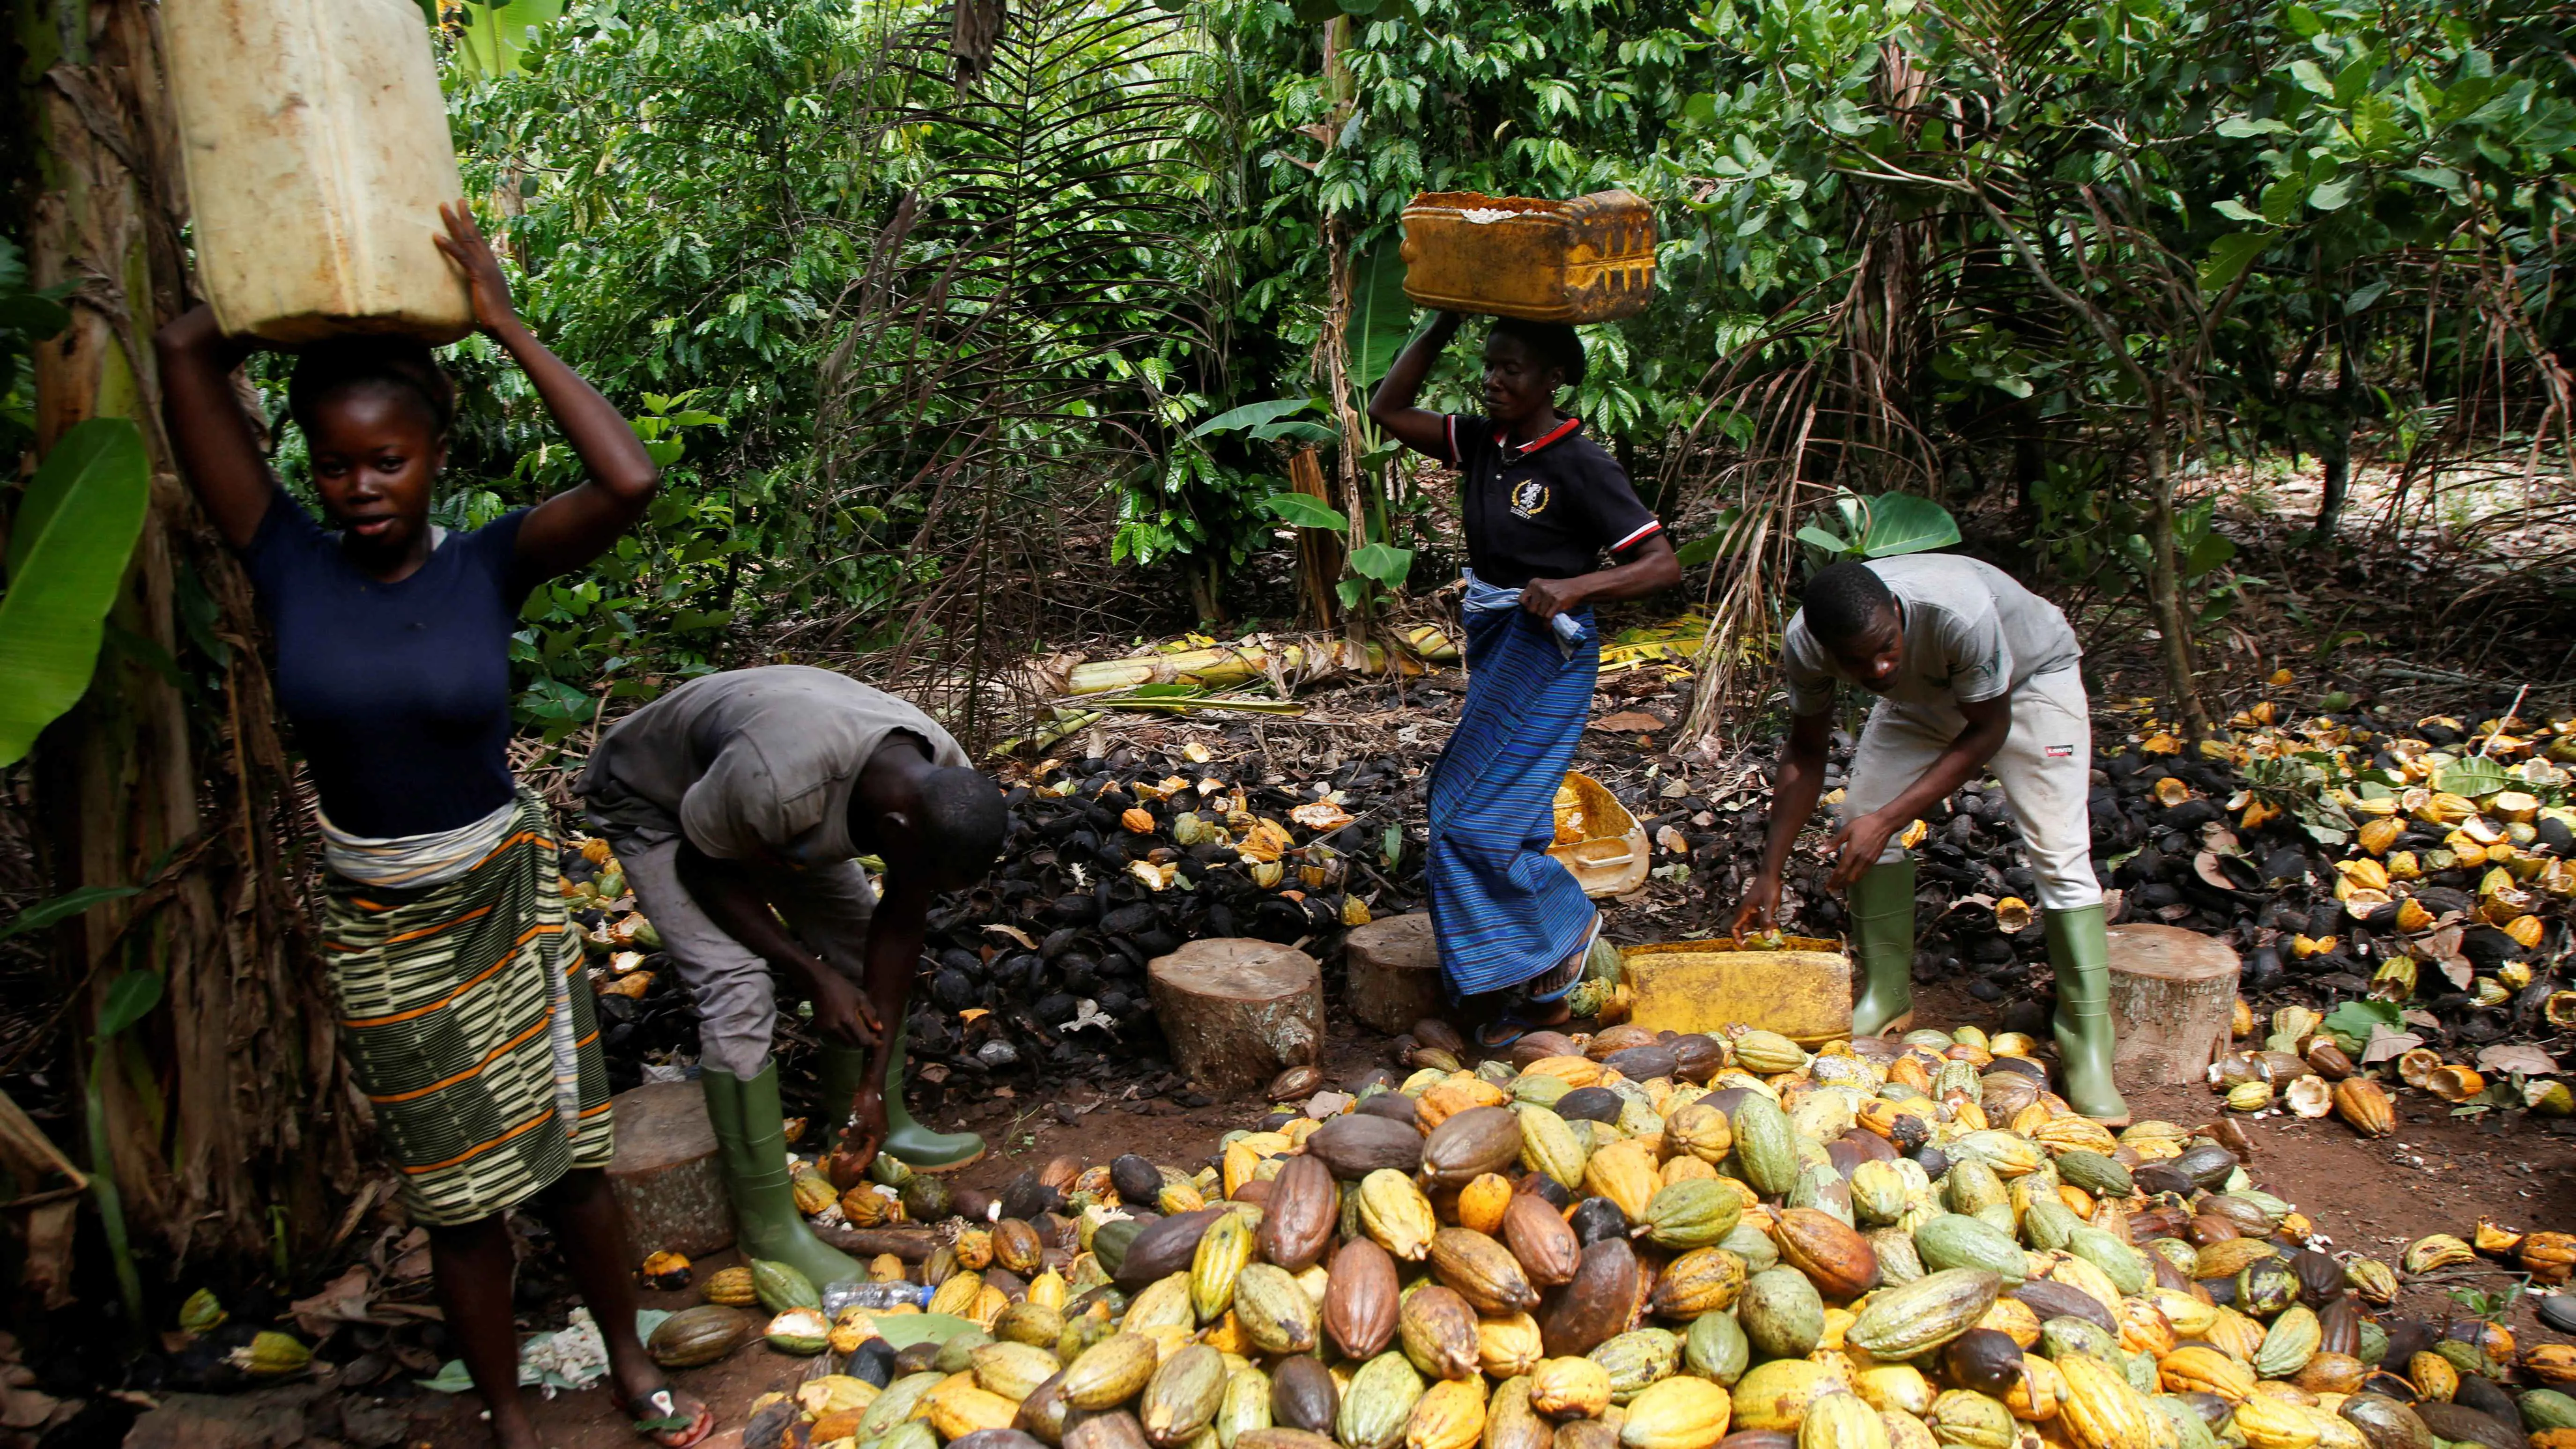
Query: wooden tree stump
(1391, 967)
(2173, 1002)
(1237, 1011)
(666, 1173)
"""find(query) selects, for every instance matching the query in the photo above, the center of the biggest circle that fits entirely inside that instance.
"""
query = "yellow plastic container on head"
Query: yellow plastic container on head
(317, 155)
(1597, 839)
(1591, 259)
(1801, 989)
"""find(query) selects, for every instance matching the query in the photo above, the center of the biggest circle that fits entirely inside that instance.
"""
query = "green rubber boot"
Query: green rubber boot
(907, 1141)
(2079, 947)
(1882, 911)
(751, 1142)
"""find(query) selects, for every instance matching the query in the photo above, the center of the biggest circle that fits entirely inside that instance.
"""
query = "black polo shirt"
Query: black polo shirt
(1545, 511)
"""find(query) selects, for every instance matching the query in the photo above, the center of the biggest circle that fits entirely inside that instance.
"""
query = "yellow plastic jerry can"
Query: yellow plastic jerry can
(1591, 259)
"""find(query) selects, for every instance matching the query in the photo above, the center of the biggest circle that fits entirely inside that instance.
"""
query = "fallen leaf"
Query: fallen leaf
(2387, 1043)
(1632, 721)
(342, 1300)
(2531, 1061)
(1015, 933)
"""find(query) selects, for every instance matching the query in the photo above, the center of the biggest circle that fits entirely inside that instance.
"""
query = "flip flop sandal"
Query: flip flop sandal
(657, 1417)
(1552, 984)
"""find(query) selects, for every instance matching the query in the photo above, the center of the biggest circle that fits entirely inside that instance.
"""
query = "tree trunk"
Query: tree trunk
(2164, 578)
(227, 1109)
(2337, 454)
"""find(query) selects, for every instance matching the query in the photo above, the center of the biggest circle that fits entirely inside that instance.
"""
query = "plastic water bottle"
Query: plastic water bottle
(875, 1297)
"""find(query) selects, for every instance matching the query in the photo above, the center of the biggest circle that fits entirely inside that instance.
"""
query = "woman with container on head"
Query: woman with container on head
(1542, 504)
(463, 1010)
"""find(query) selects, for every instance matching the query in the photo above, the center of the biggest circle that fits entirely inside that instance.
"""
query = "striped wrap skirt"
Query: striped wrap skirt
(1502, 910)
(468, 1026)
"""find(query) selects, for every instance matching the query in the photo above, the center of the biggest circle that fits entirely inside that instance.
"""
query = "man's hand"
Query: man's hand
(867, 1131)
(1857, 846)
(842, 1012)
(1761, 899)
(1547, 598)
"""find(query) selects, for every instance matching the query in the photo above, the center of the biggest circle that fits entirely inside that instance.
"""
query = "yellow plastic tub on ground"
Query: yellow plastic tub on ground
(1802, 989)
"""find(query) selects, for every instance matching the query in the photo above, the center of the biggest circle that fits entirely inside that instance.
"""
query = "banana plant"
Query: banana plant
(1380, 324)
(74, 531)
(492, 36)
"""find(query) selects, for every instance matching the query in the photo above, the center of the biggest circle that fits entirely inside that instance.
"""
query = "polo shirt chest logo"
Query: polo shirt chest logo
(1529, 498)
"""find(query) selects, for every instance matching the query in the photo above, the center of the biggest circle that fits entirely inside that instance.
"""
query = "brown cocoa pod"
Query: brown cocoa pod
(1283, 1438)
(1758, 1439)
(1540, 1045)
(1257, 1191)
(2049, 1299)
(1360, 1304)
(1596, 1303)
(1541, 1239)
(1510, 1422)
(1643, 1064)
(1296, 1084)
(1469, 1144)
(1044, 1413)
(1697, 1057)
(1585, 1434)
(1164, 1248)
(1439, 1332)
(1356, 1144)
(1298, 1220)
(1302, 1395)
(2208, 1228)
(1116, 1429)
(1431, 1031)
(1391, 1106)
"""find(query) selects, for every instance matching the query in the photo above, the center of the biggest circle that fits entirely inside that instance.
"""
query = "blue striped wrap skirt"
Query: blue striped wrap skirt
(1502, 909)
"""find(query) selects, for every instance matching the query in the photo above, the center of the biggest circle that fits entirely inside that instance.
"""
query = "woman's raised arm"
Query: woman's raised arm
(218, 453)
(578, 524)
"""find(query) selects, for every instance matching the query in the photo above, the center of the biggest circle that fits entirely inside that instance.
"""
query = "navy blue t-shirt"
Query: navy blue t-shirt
(1545, 511)
(399, 693)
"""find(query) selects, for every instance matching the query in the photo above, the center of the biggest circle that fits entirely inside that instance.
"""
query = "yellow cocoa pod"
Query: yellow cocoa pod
(956, 1297)
(1842, 1421)
(1452, 1097)
(1570, 1388)
(1574, 1071)
(2100, 1410)
(957, 1409)
(1395, 1214)
(1509, 1346)
(1481, 1203)
(1449, 1415)
(1895, 1388)
(2197, 1368)
(1223, 1251)
(2266, 1422)
(2035, 1399)
(1700, 1130)
(1625, 1173)
(1679, 1413)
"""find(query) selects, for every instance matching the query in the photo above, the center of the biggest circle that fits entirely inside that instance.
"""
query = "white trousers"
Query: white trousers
(2046, 766)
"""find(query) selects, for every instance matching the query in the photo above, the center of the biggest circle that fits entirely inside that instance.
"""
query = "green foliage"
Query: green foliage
(1883, 526)
(28, 316)
(75, 529)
